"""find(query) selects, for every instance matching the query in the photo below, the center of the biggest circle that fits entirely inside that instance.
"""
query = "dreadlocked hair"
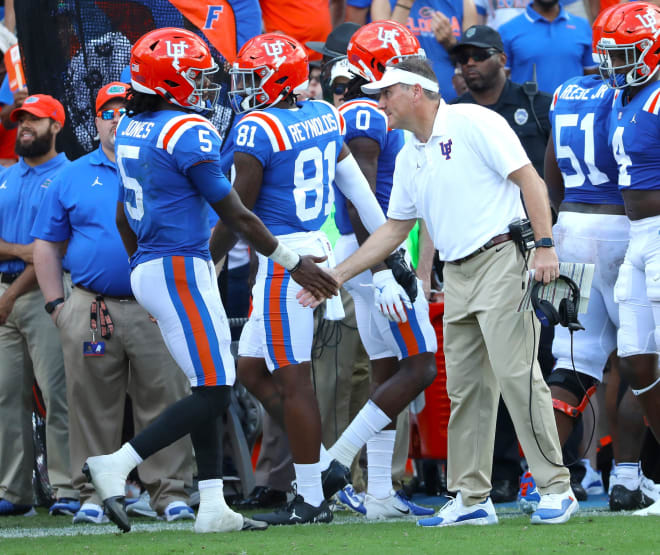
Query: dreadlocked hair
(354, 88)
(139, 102)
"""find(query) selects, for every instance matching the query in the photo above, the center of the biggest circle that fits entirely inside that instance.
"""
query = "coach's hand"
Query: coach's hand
(316, 280)
(545, 264)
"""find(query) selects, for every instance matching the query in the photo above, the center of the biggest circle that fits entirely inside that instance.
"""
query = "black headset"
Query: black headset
(567, 315)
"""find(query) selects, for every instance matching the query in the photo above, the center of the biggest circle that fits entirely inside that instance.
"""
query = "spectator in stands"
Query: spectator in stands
(24, 326)
(438, 24)
(122, 351)
(547, 44)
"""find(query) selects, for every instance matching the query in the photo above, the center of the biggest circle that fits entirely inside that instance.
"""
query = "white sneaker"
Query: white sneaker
(454, 513)
(592, 481)
(389, 507)
(649, 488)
(90, 513)
(222, 520)
(178, 510)
(555, 508)
(103, 474)
(651, 510)
(140, 506)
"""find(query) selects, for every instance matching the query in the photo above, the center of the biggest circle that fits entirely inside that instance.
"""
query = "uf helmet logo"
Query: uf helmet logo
(648, 21)
(388, 36)
(176, 51)
(275, 50)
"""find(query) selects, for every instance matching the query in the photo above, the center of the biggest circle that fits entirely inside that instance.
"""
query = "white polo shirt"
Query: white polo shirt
(458, 180)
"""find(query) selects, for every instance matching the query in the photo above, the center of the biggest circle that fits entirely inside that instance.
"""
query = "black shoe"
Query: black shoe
(579, 491)
(335, 477)
(298, 512)
(622, 499)
(504, 491)
(262, 497)
(250, 525)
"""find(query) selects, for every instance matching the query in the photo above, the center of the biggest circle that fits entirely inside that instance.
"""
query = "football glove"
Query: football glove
(403, 273)
(389, 297)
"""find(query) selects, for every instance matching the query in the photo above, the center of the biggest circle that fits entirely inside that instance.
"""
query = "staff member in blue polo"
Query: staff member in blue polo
(23, 323)
(126, 352)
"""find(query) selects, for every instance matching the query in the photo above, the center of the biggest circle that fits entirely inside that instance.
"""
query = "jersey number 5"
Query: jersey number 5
(127, 152)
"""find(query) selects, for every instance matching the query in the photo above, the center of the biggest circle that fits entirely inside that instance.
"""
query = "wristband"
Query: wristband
(284, 256)
(50, 306)
(402, 6)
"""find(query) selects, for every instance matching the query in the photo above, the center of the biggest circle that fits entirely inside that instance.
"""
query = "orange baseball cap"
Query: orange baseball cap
(112, 91)
(42, 106)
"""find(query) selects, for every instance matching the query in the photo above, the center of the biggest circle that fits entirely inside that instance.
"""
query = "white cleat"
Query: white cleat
(225, 521)
(102, 472)
(555, 508)
(389, 507)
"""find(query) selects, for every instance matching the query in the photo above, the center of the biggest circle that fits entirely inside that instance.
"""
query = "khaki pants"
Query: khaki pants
(489, 348)
(136, 362)
(30, 348)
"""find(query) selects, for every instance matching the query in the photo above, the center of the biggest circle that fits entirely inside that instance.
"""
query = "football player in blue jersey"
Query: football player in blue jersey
(591, 228)
(168, 156)
(401, 353)
(287, 155)
(627, 40)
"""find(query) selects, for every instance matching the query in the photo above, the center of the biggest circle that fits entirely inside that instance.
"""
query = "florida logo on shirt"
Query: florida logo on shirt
(445, 148)
(46, 183)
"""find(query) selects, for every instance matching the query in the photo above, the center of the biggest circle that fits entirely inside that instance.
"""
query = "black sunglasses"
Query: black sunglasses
(339, 88)
(480, 55)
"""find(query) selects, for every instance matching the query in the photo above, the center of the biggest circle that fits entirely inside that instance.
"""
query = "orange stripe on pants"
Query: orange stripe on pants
(409, 338)
(196, 324)
(276, 328)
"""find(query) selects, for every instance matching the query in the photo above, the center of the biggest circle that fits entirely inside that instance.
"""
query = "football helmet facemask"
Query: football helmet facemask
(268, 68)
(177, 65)
(627, 42)
(376, 44)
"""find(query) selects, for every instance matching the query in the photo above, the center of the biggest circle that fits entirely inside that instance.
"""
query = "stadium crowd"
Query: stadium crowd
(383, 156)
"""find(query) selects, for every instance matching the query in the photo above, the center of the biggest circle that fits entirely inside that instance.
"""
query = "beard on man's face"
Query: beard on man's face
(39, 146)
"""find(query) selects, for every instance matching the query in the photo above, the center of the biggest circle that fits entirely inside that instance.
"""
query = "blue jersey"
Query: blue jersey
(298, 149)
(634, 137)
(167, 211)
(364, 119)
(580, 113)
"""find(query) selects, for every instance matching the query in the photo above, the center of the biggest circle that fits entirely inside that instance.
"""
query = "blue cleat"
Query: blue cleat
(348, 498)
(7, 508)
(454, 513)
(178, 510)
(415, 509)
(64, 506)
(90, 513)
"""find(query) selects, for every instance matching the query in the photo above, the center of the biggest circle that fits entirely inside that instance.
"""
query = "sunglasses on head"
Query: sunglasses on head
(111, 113)
(479, 55)
(339, 88)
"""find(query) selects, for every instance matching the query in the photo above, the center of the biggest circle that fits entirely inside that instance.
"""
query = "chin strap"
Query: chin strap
(570, 410)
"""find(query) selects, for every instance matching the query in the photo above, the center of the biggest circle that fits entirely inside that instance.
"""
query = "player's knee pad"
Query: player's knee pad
(578, 384)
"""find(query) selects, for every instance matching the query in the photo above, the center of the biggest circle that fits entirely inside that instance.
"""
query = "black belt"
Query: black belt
(9, 278)
(585, 208)
(503, 238)
(112, 297)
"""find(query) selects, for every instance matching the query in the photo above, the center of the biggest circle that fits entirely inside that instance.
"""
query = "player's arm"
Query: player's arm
(247, 184)
(553, 178)
(127, 235)
(237, 219)
(12, 251)
(355, 187)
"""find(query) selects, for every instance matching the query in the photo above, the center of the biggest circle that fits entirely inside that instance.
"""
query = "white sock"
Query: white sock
(324, 458)
(627, 475)
(379, 464)
(126, 459)
(211, 496)
(368, 422)
(308, 483)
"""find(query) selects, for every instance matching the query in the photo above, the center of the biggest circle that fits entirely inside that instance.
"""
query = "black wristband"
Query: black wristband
(50, 306)
(402, 6)
(297, 265)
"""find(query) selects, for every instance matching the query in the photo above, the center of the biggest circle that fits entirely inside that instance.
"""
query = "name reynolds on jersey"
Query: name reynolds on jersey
(138, 129)
(314, 127)
(575, 92)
